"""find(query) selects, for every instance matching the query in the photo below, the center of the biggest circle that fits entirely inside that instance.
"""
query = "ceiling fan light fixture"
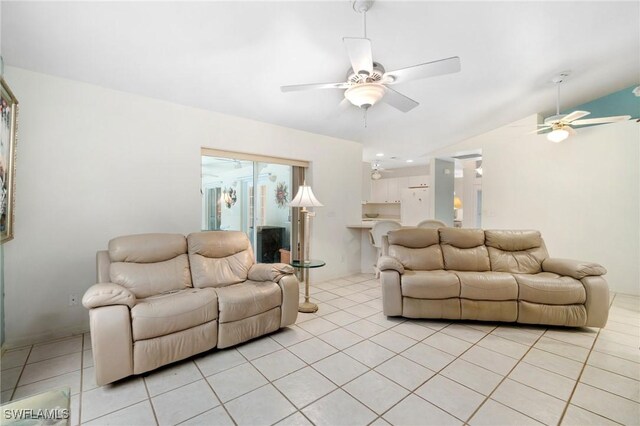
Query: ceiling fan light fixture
(558, 135)
(376, 175)
(364, 95)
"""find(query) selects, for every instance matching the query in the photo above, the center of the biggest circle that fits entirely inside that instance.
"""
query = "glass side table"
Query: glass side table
(307, 306)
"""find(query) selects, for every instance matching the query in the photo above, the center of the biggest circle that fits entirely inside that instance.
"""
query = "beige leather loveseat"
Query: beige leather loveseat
(488, 276)
(161, 298)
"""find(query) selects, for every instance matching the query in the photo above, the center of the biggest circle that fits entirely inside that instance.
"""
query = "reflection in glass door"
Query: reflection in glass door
(272, 211)
(252, 197)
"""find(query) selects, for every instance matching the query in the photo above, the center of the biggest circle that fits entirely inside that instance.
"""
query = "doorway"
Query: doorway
(252, 196)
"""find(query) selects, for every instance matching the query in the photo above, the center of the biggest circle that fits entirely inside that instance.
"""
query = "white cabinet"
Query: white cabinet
(389, 190)
(385, 191)
(419, 181)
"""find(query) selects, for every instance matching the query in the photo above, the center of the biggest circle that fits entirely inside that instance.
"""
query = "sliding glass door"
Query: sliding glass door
(249, 196)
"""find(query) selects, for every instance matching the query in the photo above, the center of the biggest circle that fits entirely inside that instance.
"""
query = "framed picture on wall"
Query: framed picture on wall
(9, 110)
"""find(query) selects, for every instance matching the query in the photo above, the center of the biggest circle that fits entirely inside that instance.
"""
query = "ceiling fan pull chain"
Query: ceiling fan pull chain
(364, 117)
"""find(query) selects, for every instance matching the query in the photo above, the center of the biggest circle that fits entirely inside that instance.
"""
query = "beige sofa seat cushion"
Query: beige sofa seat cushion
(247, 299)
(169, 313)
(464, 250)
(149, 264)
(550, 289)
(517, 252)
(487, 285)
(430, 284)
(219, 258)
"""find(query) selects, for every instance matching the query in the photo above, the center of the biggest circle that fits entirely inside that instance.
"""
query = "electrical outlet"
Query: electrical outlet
(73, 300)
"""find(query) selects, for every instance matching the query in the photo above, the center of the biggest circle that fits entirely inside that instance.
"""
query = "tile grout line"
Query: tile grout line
(269, 382)
(502, 381)
(202, 377)
(15, 387)
(575, 386)
(214, 392)
(153, 409)
(437, 373)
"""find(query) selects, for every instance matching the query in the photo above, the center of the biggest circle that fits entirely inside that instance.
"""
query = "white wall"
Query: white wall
(95, 163)
(582, 194)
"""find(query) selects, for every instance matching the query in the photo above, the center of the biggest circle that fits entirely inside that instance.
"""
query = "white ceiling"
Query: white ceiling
(231, 57)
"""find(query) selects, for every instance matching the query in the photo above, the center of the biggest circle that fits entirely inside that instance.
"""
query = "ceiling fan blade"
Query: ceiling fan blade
(313, 86)
(429, 69)
(359, 51)
(574, 116)
(399, 101)
(601, 120)
(539, 130)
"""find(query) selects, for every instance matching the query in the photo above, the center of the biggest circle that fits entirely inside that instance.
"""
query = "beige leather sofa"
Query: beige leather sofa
(161, 298)
(481, 275)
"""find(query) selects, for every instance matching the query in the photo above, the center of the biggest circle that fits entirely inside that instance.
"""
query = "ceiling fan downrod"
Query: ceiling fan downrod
(362, 6)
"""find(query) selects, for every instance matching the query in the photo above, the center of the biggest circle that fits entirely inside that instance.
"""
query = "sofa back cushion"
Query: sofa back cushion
(464, 249)
(517, 252)
(219, 258)
(416, 248)
(150, 264)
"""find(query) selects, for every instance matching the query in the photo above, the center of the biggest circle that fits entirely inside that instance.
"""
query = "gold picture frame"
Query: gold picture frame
(8, 131)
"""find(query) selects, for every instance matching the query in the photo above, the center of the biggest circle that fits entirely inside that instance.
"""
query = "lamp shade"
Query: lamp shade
(365, 95)
(558, 135)
(457, 202)
(305, 198)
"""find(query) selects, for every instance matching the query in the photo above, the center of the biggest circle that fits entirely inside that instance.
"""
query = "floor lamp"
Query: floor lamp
(305, 198)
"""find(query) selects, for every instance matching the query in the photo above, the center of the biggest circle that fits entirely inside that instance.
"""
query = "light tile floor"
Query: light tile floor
(349, 364)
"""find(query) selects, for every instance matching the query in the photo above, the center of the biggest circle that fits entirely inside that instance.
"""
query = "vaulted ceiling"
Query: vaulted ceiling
(231, 57)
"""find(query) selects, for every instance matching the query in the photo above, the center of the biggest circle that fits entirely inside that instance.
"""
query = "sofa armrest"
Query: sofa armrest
(269, 271)
(108, 294)
(573, 268)
(388, 263)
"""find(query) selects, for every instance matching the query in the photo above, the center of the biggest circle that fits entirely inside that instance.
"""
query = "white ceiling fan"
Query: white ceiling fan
(367, 81)
(561, 124)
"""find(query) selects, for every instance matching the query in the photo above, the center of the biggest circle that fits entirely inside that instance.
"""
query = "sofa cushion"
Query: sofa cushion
(430, 284)
(149, 264)
(518, 252)
(247, 299)
(420, 259)
(512, 240)
(413, 237)
(219, 258)
(169, 313)
(150, 279)
(462, 238)
(147, 248)
(487, 285)
(464, 250)
(550, 289)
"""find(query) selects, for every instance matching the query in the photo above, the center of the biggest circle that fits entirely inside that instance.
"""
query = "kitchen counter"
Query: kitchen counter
(368, 223)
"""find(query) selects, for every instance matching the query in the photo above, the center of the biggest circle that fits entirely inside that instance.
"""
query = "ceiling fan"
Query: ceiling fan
(368, 82)
(561, 124)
